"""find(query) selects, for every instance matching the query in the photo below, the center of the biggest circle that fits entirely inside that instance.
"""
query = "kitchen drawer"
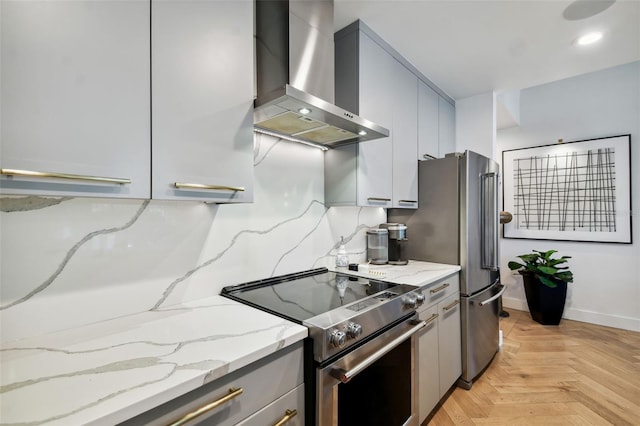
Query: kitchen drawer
(288, 408)
(262, 382)
(440, 290)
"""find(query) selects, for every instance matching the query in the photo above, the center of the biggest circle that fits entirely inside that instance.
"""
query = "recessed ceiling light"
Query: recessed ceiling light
(589, 38)
(304, 110)
(362, 133)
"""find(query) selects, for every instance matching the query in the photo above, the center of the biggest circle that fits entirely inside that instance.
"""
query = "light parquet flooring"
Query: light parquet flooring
(571, 374)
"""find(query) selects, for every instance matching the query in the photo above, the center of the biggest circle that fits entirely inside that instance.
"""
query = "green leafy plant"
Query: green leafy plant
(546, 269)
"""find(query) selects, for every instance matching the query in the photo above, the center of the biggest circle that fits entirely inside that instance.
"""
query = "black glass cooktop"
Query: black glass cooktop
(304, 295)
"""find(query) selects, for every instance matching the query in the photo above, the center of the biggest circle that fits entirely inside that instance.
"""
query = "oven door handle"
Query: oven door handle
(346, 376)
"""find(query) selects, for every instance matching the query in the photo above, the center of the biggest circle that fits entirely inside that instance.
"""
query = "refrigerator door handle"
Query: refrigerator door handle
(489, 219)
(491, 299)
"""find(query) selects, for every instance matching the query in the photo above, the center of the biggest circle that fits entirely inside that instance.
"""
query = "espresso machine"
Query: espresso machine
(397, 240)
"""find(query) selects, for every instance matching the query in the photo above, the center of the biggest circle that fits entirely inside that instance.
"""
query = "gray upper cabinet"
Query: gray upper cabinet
(436, 124)
(377, 83)
(202, 86)
(428, 101)
(75, 98)
(446, 127)
(405, 137)
(361, 174)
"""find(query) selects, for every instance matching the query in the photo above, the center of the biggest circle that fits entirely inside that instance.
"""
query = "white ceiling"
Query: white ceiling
(468, 47)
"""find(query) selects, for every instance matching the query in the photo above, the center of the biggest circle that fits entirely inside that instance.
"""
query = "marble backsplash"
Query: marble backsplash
(67, 262)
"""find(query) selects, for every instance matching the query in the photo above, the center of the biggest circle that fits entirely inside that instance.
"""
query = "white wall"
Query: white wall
(607, 276)
(476, 124)
(72, 261)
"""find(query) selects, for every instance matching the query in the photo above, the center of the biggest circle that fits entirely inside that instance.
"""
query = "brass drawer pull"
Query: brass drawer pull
(431, 319)
(288, 415)
(451, 306)
(206, 408)
(181, 185)
(442, 287)
(30, 173)
(378, 199)
(407, 201)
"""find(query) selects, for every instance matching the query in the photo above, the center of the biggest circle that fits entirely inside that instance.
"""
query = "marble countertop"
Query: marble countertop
(110, 371)
(113, 370)
(416, 272)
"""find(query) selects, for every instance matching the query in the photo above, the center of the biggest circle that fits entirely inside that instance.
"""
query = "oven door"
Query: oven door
(372, 384)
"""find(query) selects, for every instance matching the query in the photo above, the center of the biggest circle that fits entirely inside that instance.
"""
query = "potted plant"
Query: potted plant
(545, 284)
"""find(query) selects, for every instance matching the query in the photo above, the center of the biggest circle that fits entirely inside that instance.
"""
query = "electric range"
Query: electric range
(341, 311)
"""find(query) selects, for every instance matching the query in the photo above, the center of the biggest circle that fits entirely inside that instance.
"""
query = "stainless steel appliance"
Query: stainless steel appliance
(295, 76)
(457, 223)
(377, 246)
(359, 366)
(397, 241)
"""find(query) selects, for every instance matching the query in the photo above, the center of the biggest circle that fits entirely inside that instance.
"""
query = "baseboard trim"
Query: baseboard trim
(625, 323)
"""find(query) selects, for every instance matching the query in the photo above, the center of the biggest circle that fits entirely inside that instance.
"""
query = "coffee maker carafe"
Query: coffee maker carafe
(397, 241)
(377, 246)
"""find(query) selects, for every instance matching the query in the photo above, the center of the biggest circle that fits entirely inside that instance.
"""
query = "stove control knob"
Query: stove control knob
(354, 330)
(337, 338)
(420, 298)
(410, 301)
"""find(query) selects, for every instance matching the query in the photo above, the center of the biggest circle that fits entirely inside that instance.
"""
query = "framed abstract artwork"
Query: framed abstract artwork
(573, 191)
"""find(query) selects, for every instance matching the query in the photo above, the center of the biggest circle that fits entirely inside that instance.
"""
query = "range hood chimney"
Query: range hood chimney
(295, 76)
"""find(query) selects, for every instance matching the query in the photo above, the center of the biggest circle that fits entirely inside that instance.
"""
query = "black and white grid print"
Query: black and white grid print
(574, 191)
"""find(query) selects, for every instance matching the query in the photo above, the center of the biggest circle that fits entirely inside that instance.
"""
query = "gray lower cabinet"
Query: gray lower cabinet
(438, 346)
(427, 388)
(449, 342)
(75, 98)
(280, 411)
(202, 86)
(263, 393)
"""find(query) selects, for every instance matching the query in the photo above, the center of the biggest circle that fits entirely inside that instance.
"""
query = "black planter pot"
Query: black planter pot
(546, 304)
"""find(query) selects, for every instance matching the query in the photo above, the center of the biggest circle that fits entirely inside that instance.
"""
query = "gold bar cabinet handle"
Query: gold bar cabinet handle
(407, 201)
(30, 173)
(181, 185)
(378, 199)
(442, 287)
(431, 319)
(451, 306)
(206, 408)
(288, 415)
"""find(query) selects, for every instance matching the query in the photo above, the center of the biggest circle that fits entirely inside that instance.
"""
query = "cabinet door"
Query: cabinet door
(405, 137)
(449, 342)
(428, 389)
(202, 86)
(75, 97)
(288, 409)
(428, 101)
(375, 157)
(446, 127)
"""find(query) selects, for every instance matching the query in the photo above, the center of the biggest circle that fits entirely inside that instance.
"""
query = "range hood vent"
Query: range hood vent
(295, 76)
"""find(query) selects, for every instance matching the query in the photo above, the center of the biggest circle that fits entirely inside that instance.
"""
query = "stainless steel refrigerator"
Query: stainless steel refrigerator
(457, 223)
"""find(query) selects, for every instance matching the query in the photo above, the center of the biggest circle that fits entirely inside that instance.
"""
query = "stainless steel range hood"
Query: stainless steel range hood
(295, 76)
